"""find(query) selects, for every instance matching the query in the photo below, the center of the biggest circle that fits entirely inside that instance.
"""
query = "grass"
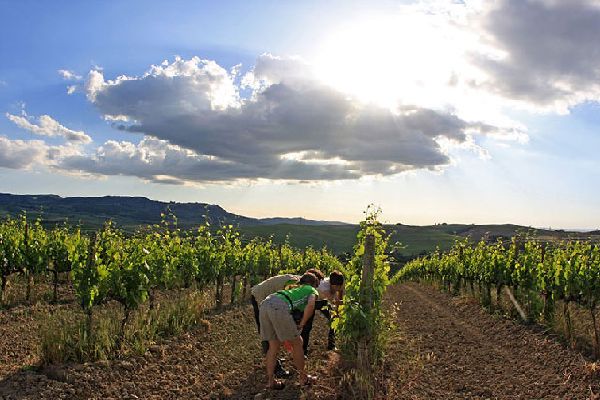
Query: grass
(64, 338)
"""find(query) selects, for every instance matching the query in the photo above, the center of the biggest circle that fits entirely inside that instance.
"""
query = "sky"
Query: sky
(435, 111)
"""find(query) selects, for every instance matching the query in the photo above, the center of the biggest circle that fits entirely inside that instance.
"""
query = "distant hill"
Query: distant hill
(297, 221)
(414, 239)
(132, 212)
(129, 212)
(341, 238)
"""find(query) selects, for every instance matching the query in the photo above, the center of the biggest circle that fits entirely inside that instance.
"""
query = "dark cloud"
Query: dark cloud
(552, 47)
(157, 160)
(291, 127)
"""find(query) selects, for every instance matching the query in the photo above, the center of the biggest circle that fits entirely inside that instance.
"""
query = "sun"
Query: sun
(408, 58)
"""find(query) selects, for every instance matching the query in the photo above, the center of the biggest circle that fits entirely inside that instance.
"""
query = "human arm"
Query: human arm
(309, 310)
(337, 298)
(340, 296)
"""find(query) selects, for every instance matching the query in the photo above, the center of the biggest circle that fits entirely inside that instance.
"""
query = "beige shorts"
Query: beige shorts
(276, 322)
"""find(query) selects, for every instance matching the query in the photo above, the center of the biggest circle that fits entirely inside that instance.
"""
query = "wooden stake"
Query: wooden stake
(366, 302)
(515, 303)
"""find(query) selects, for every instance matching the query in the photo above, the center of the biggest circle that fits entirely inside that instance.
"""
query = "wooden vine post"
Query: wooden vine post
(366, 302)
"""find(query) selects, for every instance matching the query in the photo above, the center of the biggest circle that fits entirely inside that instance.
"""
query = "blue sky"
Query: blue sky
(438, 111)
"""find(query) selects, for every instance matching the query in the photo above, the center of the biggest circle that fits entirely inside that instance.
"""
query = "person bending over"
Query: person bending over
(331, 293)
(277, 325)
(260, 292)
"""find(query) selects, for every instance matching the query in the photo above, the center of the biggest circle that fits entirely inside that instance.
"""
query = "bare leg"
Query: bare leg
(271, 360)
(298, 356)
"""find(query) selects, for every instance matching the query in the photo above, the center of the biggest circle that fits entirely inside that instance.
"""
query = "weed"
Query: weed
(64, 336)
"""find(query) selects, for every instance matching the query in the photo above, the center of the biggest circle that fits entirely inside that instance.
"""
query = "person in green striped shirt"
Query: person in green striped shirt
(277, 325)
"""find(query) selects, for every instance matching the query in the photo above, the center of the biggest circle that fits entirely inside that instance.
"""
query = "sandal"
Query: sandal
(310, 380)
(277, 385)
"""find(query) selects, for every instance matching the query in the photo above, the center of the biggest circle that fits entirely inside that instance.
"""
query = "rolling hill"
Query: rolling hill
(131, 213)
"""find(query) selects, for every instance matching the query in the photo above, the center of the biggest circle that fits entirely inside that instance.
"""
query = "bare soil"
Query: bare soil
(221, 360)
(442, 347)
(453, 349)
(20, 321)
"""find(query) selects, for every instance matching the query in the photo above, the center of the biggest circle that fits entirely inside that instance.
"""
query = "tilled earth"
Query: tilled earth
(20, 323)
(466, 353)
(221, 361)
(443, 347)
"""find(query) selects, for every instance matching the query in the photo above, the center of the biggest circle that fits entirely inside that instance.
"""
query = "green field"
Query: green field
(341, 238)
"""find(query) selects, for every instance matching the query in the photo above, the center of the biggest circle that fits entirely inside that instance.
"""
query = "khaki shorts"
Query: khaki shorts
(276, 322)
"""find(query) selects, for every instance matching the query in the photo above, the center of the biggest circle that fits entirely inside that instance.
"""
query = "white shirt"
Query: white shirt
(271, 285)
(324, 290)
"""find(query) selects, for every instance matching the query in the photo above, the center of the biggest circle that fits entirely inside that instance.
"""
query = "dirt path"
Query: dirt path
(223, 362)
(465, 353)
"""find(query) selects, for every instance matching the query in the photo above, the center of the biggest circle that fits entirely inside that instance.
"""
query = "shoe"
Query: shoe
(310, 380)
(277, 385)
(282, 374)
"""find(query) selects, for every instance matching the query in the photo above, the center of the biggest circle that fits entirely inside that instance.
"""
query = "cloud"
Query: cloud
(270, 69)
(21, 154)
(291, 127)
(194, 85)
(158, 161)
(47, 126)
(550, 51)
(69, 75)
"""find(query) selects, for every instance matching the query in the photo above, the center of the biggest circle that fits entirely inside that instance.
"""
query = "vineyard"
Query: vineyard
(135, 290)
(109, 266)
(163, 313)
(537, 277)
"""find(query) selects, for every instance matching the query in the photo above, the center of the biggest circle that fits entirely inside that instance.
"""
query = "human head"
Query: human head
(309, 279)
(336, 280)
(317, 273)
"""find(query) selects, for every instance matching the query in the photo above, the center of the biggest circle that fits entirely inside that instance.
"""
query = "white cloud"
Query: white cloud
(193, 85)
(47, 126)
(195, 104)
(21, 154)
(26, 154)
(477, 58)
(69, 75)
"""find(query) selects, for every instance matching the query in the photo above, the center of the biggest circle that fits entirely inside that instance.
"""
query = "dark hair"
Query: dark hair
(316, 273)
(309, 279)
(336, 278)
